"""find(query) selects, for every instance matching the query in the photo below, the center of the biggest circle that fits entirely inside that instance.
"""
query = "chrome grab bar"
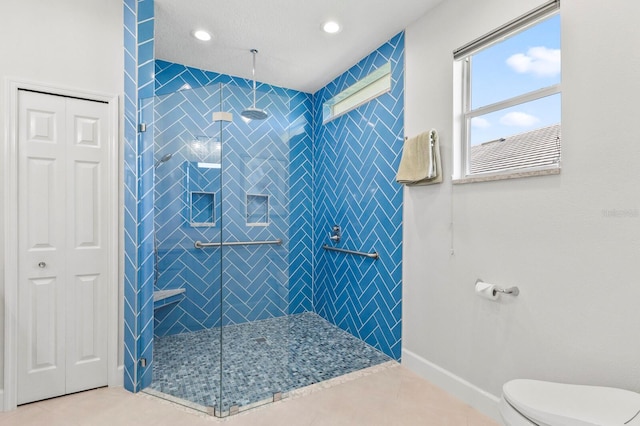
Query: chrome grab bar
(201, 245)
(373, 255)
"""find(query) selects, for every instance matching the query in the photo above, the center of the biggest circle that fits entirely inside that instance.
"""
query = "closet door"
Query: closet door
(62, 329)
(85, 254)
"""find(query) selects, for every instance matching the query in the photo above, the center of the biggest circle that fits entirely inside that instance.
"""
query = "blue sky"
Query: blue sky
(525, 62)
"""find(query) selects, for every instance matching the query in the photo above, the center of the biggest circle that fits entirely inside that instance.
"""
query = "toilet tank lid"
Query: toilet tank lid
(560, 404)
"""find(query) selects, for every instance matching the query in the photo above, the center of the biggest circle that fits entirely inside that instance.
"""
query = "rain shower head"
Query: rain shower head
(163, 159)
(254, 113)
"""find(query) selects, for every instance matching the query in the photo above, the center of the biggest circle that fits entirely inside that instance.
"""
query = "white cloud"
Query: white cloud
(520, 119)
(539, 61)
(480, 123)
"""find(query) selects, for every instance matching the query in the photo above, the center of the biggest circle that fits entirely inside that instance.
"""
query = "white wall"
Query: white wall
(74, 44)
(577, 318)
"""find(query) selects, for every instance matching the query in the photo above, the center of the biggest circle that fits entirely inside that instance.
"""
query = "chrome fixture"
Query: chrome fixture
(163, 160)
(514, 291)
(335, 234)
(200, 244)
(254, 113)
(373, 255)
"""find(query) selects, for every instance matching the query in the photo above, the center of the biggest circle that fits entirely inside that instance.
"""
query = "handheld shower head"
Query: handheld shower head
(163, 160)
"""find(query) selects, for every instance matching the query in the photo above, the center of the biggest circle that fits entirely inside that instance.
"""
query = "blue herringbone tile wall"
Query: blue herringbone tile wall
(300, 204)
(255, 162)
(269, 159)
(183, 128)
(146, 23)
(355, 160)
(138, 194)
(130, 194)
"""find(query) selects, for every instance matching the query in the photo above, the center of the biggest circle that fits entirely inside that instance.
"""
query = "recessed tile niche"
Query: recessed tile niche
(202, 209)
(257, 210)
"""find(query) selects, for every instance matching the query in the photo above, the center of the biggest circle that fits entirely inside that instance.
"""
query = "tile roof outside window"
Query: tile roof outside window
(537, 148)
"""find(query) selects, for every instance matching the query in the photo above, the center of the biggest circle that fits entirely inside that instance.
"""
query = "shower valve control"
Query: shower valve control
(335, 234)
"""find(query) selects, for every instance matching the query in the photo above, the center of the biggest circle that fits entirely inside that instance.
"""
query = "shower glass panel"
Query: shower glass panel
(221, 306)
(255, 276)
(187, 208)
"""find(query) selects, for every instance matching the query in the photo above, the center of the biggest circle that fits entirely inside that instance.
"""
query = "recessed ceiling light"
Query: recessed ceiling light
(331, 27)
(201, 35)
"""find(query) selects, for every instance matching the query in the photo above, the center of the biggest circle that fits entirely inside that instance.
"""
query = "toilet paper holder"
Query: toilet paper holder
(514, 291)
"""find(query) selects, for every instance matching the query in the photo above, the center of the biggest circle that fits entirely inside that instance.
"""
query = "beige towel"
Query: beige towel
(420, 163)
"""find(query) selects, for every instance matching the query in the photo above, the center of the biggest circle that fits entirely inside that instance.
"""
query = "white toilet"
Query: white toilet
(533, 402)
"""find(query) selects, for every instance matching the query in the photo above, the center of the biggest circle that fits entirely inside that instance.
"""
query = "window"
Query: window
(370, 87)
(509, 108)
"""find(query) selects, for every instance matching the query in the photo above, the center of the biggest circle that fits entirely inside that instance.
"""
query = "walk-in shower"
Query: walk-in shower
(233, 320)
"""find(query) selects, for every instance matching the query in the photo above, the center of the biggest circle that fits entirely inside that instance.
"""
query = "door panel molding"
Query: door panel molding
(110, 214)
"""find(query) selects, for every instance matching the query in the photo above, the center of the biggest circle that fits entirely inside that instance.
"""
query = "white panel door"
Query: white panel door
(86, 255)
(62, 296)
(41, 298)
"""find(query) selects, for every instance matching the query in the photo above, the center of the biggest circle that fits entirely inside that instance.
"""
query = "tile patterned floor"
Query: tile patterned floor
(258, 359)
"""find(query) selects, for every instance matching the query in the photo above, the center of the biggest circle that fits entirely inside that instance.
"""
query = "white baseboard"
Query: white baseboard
(479, 399)
(117, 379)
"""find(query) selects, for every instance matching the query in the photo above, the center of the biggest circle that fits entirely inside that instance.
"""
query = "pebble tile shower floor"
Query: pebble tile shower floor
(258, 360)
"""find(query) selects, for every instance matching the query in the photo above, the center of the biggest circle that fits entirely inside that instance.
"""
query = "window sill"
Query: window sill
(507, 175)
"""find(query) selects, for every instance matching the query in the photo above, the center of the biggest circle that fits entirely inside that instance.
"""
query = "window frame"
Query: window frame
(369, 86)
(462, 125)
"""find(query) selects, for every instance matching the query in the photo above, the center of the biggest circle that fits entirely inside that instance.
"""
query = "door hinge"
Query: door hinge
(142, 127)
(143, 362)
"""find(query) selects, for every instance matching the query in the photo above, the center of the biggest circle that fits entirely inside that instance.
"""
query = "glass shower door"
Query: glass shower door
(221, 249)
(187, 236)
(255, 252)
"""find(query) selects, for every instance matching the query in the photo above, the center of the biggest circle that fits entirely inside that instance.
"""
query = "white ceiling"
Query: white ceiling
(293, 50)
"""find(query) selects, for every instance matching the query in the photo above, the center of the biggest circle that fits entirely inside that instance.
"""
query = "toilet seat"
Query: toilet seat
(557, 404)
